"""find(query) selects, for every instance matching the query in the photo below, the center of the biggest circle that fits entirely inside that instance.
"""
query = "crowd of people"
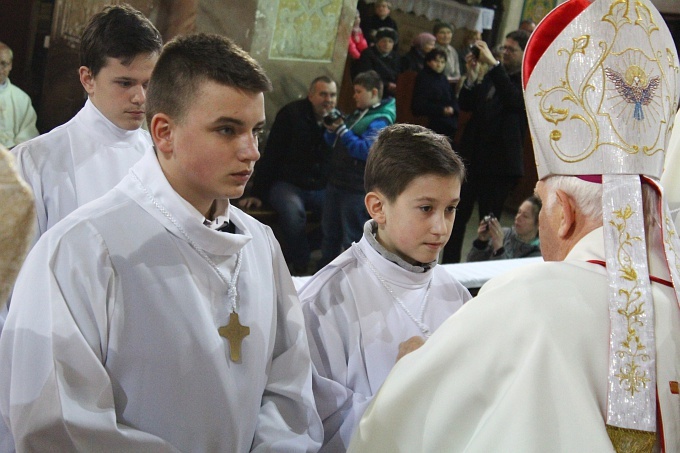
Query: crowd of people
(152, 313)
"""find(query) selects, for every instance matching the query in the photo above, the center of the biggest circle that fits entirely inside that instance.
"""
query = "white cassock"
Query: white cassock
(17, 116)
(112, 341)
(355, 326)
(521, 368)
(670, 179)
(77, 162)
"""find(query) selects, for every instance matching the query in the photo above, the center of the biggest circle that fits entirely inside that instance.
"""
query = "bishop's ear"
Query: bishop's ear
(161, 132)
(375, 205)
(567, 214)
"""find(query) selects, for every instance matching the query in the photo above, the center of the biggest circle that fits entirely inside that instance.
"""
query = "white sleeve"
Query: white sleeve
(339, 405)
(27, 169)
(288, 420)
(55, 393)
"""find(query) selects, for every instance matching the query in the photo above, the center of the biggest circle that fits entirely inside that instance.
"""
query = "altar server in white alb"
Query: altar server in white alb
(385, 295)
(159, 317)
(17, 116)
(580, 353)
(84, 158)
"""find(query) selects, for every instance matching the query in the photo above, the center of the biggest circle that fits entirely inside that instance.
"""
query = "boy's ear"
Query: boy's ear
(161, 130)
(375, 205)
(86, 79)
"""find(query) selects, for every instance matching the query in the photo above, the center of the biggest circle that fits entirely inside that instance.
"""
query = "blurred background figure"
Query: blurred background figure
(357, 41)
(17, 116)
(383, 59)
(520, 241)
(379, 19)
(444, 32)
(414, 59)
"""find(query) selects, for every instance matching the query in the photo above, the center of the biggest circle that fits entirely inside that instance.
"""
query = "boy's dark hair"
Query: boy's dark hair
(118, 31)
(189, 61)
(369, 80)
(521, 36)
(434, 54)
(403, 152)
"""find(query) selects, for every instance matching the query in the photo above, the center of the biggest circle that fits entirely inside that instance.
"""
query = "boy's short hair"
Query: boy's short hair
(189, 61)
(434, 54)
(369, 80)
(118, 31)
(402, 152)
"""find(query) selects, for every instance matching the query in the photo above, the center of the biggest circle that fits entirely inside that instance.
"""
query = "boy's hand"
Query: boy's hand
(334, 127)
(409, 346)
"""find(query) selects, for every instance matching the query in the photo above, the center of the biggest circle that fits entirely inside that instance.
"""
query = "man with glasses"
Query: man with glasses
(17, 116)
(492, 142)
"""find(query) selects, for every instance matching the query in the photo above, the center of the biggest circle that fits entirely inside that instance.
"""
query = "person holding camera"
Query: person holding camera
(293, 171)
(434, 97)
(495, 242)
(344, 212)
(493, 139)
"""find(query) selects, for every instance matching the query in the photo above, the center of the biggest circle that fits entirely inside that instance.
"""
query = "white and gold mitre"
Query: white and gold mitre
(602, 91)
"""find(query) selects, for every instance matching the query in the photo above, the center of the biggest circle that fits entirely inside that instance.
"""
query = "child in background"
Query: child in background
(380, 19)
(357, 41)
(344, 213)
(385, 295)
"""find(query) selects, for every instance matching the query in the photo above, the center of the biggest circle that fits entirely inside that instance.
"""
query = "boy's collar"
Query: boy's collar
(370, 232)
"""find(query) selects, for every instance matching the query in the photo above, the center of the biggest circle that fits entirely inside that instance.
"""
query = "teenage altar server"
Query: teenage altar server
(581, 353)
(84, 158)
(159, 317)
(385, 294)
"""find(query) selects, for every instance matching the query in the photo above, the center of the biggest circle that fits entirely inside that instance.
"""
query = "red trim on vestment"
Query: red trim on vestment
(546, 32)
(651, 277)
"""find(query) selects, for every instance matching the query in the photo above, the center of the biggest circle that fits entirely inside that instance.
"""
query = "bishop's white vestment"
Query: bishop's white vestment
(17, 116)
(77, 162)
(355, 326)
(522, 368)
(112, 341)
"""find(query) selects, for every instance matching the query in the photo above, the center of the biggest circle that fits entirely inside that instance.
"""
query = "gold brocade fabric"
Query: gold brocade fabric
(631, 440)
(17, 223)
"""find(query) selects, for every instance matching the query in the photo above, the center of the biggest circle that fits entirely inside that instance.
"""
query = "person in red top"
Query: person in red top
(357, 41)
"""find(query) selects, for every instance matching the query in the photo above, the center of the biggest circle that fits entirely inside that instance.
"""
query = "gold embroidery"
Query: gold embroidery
(623, 82)
(631, 351)
(631, 440)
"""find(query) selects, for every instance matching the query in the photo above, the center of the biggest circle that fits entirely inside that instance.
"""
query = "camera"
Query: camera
(331, 117)
(487, 219)
(474, 50)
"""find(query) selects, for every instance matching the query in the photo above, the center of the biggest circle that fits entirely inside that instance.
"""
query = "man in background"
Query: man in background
(293, 171)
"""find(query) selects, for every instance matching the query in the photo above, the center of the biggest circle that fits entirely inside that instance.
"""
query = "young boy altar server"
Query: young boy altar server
(158, 317)
(84, 158)
(385, 295)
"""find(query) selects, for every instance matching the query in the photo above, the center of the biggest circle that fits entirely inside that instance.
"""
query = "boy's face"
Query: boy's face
(382, 10)
(444, 36)
(417, 225)
(211, 154)
(119, 91)
(437, 65)
(385, 45)
(365, 98)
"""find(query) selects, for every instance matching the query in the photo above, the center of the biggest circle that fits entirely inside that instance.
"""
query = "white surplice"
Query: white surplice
(522, 368)
(355, 326)
(112, 341)
(17, 116)
(77, 162)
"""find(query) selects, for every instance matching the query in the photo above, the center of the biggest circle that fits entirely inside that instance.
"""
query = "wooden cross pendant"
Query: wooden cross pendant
(234, 332)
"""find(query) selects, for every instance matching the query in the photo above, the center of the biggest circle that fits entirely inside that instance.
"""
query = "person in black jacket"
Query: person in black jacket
(293, 171)
(493, 140)
(382, 59)
(433, 95)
